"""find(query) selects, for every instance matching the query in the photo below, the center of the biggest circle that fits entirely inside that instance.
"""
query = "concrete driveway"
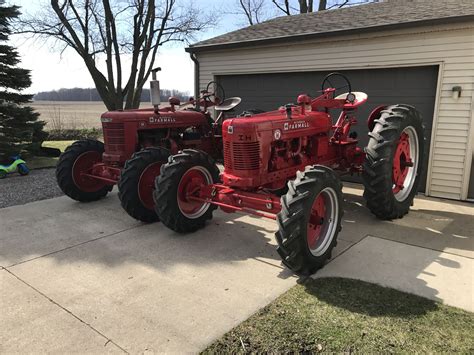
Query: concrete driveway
(87, 278)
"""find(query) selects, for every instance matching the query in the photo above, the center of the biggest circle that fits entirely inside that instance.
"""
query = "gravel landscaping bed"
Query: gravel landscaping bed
(40, 184)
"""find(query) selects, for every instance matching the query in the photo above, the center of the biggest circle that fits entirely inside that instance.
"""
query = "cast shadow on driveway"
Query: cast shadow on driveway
(101, 233)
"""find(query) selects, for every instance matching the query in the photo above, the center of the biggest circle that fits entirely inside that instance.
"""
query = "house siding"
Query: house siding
(450, 46)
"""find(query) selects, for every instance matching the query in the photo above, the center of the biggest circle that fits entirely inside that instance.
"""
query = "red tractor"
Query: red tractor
(137, 143)
(285, 165)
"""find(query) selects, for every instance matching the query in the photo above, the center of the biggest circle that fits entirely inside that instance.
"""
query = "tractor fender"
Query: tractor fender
(376, 112)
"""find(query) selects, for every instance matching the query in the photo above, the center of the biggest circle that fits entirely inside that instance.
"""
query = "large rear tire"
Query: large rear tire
(180, 178)
(80, 157)
(310, 219)
(137, 183)
(393, 164)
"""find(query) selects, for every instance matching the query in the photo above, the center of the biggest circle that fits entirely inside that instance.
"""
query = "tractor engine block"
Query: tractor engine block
(291, 144)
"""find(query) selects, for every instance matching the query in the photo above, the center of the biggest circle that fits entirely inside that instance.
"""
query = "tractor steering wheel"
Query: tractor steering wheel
(217, 93)
(346, 83)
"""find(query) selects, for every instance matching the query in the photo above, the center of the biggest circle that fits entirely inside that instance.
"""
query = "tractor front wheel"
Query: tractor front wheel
(310, 219)
(79, 158)
(137, 182)
(393, 162)
(178, 184)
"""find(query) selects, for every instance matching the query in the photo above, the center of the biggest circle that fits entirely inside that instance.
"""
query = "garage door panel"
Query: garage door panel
(413, 86)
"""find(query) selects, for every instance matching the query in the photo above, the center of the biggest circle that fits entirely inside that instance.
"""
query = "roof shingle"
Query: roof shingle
(371, 16)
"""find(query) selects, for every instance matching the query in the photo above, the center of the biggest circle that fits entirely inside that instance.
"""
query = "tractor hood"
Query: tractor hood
(148, 118)
(275, 125)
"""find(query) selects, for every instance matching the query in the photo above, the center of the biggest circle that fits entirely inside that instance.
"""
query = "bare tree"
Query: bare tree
(306, 6)
(283, 6)
(95, 29)
(253, 10)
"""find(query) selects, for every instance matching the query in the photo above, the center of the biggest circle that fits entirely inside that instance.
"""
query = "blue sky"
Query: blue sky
(52, 71)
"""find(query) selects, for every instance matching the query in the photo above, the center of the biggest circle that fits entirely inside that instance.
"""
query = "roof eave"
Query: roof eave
(302, 37)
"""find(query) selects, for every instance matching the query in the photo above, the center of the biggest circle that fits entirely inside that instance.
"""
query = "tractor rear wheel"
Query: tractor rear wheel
(181, 178)
(310, 219)
(76, 159)
(393, 162)
(137, 182)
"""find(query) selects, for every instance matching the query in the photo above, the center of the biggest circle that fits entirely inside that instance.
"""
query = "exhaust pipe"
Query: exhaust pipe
(155, 94)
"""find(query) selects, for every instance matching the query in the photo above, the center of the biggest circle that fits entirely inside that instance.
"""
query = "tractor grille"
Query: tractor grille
(114, 137)
(244, 156)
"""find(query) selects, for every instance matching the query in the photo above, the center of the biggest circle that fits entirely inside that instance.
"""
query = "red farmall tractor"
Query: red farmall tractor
(285, 165)
(137, 143)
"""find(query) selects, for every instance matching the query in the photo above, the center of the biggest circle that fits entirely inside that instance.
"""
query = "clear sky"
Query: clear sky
(52, 71)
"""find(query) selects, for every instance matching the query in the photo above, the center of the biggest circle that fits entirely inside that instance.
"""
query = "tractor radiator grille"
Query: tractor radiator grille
(244, 156)
(114, 137)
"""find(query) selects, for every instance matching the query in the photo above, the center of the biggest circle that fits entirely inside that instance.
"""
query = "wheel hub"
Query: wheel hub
(190, 185)
(321, 226)
(84, 164)
(146, 184)
(316, 221)
(402, 162)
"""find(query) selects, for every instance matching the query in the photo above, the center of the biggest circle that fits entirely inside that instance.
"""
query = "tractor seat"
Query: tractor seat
(228, 104)
(174, 101)
(360, 98)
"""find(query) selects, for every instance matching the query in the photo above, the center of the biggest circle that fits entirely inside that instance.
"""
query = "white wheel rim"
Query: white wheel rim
(412, 170)
(202, 210)
(330, 225)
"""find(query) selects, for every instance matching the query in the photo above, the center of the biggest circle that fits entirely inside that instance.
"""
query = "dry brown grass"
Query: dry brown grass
(71, 114)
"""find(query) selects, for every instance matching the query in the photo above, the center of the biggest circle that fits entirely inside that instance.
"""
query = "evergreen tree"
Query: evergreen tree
(19, 125)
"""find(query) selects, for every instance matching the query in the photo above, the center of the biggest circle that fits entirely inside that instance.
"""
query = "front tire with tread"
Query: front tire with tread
(377, 168)
(64, 171)
(296, 213)
(128, 185)
(166, 190)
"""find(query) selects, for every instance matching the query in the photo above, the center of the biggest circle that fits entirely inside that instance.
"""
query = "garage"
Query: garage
(423, 57)
(415, 86)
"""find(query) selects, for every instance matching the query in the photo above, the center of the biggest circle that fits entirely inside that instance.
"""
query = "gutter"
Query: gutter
(301, 37)
(196, 75)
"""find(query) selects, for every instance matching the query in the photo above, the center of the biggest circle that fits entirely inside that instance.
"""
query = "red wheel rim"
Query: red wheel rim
(316, 221)
(84, 164)
(190, 185)
(402, 162)
(146, 184)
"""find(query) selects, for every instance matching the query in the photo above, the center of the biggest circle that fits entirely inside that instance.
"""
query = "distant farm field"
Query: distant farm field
(71, 114)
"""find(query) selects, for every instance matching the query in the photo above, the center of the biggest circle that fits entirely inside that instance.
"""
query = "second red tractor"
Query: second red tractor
(286, 165)
(137, 143)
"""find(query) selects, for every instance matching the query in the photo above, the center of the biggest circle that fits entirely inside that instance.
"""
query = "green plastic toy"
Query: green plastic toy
(18, 164)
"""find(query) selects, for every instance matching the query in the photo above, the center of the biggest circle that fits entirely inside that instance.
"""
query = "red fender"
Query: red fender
(374, 115)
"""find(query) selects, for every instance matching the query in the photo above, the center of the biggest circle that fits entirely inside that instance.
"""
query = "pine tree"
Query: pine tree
(19, 125)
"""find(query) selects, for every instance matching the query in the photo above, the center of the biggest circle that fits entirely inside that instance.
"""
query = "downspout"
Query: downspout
(196, 77)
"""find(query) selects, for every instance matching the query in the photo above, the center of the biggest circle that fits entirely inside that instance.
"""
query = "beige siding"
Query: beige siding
(451, 46)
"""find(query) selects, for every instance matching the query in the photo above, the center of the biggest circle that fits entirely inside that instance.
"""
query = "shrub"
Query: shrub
(74, 134)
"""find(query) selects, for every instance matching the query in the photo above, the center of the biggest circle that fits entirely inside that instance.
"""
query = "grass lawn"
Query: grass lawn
(61, 145)
(48, 162)
(342, 315)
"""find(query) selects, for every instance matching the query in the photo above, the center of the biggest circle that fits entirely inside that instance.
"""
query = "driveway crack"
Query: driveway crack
(108, 340)
(73, 246)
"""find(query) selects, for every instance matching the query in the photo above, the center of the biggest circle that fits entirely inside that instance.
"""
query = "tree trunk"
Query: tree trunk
(322, 5)
(303, 7)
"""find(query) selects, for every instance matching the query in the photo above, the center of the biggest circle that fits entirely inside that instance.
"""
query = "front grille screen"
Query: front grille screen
(242, 156)
(114, 137)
